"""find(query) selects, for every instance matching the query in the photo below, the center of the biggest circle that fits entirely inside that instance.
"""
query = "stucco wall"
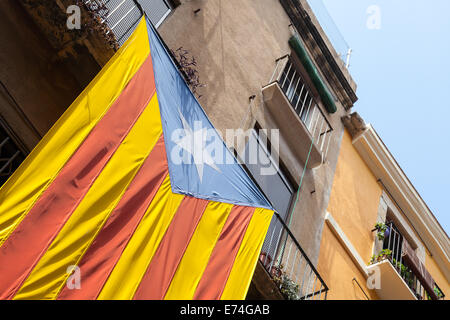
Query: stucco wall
(355, 206)
(355, 198)
(235, 44)
(338, 270)
(437, 275)
(354, 202)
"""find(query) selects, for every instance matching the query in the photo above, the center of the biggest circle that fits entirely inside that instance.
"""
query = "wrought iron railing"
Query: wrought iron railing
(292, 83)
(122, 16)
(394, 246)
(289, 266)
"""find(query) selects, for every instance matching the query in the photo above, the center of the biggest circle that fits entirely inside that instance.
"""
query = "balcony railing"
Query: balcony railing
(289, 266)
(293, 85)
(407, 265)
(122, 16)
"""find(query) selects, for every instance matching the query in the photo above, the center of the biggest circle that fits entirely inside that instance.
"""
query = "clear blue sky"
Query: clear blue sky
(403, 76)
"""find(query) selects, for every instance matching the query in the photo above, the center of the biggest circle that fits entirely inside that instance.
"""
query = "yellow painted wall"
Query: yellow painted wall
(437, 275)
(338, 270)
(354, 203)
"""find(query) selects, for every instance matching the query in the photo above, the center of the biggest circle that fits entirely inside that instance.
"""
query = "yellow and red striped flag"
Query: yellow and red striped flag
(105, 194)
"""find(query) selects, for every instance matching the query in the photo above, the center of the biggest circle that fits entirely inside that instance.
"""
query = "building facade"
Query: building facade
(256, 80)
(257, 67)
(380, 240)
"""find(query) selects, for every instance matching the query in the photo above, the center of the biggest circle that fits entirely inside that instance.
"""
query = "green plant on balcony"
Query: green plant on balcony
(383, 255)
(405, 272)
(380, 227)
(438, 292)
(288, 288)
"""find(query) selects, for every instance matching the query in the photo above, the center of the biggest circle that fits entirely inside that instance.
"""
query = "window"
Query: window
(404, 258)
(393, 241)
(10, 155)
(277, 187)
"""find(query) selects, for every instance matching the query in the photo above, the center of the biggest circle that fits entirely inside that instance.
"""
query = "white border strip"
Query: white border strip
(347, 244)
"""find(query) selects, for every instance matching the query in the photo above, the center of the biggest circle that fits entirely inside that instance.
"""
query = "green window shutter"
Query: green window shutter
(303, 55)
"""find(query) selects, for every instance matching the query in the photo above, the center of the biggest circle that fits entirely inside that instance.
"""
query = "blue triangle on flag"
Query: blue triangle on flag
(200, 164)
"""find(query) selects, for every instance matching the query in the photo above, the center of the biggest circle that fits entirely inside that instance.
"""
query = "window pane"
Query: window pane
(275, 186)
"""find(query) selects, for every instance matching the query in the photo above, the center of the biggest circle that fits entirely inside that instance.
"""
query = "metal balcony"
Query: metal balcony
(292, 107)
(122, 16)
(288, 265)
(403, 276)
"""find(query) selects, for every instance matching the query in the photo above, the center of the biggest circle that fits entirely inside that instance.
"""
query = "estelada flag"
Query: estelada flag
(101, 210)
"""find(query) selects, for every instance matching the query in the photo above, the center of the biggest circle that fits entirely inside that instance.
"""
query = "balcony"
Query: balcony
(121, 16)
(288, 266)
(402, 275)
(291, 105)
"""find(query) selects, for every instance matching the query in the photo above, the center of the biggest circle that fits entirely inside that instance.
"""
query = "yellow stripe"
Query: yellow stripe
(21, 191)
(244, 266)
(196, 256)
(127, 274)
(49, 275)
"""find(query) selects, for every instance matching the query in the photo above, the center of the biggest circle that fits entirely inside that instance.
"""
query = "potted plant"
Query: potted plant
(405, 272)
(383, 255)
(438, 292)
(277, 272)
(265, 259)
(382, 230)
(288, 288)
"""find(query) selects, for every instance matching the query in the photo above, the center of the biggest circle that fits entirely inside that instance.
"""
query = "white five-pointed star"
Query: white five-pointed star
(194, 143)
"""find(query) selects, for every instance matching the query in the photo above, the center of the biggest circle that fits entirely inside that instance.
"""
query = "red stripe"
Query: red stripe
(220, 263)
(28, 242)
(101, 257)
(165, 262)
